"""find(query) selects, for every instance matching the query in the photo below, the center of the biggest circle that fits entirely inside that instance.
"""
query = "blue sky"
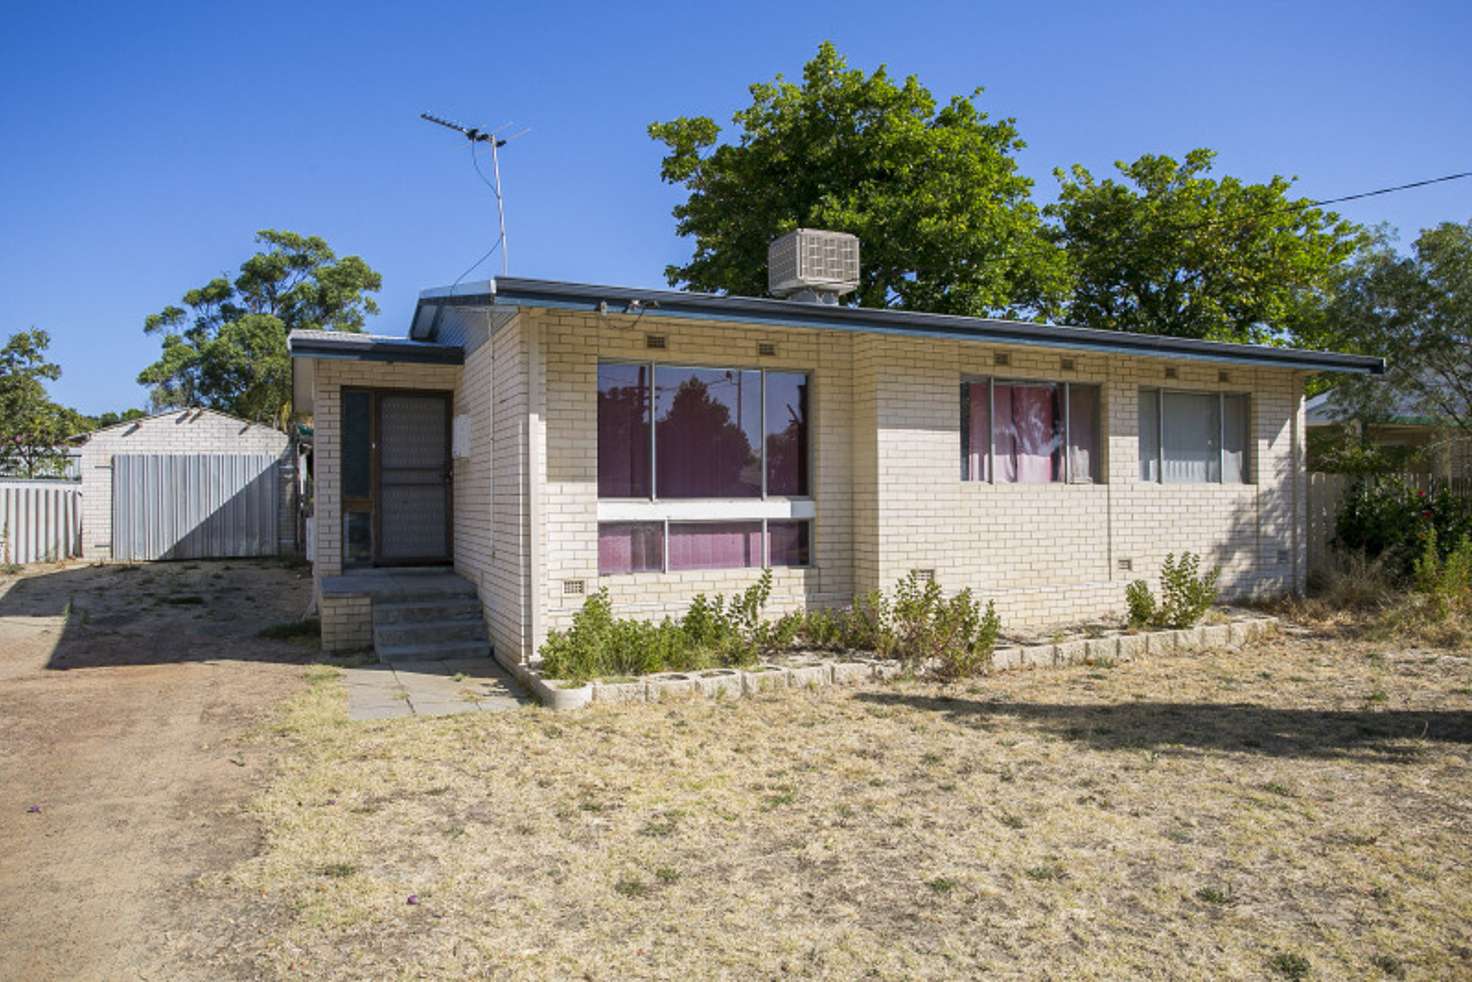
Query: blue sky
(143, 144)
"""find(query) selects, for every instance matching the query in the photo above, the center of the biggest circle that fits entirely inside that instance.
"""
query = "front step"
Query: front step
(418, 611)
(433, 651)
(425, 632)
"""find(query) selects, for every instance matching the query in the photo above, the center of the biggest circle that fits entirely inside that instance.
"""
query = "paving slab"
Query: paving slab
(430, 688)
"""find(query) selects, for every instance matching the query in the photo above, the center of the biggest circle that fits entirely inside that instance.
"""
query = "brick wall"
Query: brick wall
(190, 431)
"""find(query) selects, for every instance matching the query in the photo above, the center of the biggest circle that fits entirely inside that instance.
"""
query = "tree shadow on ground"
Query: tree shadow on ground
(1226, 727)
(90, 616)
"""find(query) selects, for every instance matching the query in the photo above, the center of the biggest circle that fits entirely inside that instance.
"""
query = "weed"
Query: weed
(338, 871)
(632, 887)
(941, 885)
(1390, 965)
(667, 875)
(774, 801)
(184, 600)
(1290, 965)
(1282, 790)
(660, 827)
(1213, 895)
(1045, 872)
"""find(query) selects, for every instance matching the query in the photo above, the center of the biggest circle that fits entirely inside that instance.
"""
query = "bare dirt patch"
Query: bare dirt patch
(124, 695)
(1301, 804)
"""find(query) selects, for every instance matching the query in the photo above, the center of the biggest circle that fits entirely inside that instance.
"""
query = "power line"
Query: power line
(1303, 205)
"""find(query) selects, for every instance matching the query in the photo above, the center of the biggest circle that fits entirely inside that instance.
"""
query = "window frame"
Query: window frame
(654, 510)
(1249, 474)
(1067, 434)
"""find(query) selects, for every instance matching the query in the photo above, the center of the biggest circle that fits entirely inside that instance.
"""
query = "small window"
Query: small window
(1022, 432)
(1193, 437)
(630, 547)
(715, 545)
(788, 543)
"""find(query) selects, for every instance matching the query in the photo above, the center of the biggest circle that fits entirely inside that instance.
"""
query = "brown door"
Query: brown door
(396, 477)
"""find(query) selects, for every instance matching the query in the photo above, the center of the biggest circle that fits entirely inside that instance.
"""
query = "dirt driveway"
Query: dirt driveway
(125, 694)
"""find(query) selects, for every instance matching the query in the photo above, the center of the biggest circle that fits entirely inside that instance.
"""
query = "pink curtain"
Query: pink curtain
(630, 547)
(1025, 433)
(715, 545)
(978, 426)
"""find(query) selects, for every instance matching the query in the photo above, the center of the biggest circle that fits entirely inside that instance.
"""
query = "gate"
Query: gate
(194, 506)
(40, 521)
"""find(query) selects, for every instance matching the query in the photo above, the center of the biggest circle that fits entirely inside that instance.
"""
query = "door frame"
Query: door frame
(375, 503)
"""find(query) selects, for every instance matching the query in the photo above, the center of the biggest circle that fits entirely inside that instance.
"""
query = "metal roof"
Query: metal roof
(522, 292)
(371, 347)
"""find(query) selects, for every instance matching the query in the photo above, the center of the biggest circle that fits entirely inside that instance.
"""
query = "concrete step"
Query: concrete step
(422, 632)
(416, 611)
(438, 651)
(432, 588)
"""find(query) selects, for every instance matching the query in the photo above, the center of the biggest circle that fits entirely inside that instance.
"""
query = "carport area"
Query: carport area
(132, 699)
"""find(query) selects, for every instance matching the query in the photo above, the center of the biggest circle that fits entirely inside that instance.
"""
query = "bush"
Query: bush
(954, 637)
(1388, 519)
(1185, 594)
(1446, 582)
(1141, 603)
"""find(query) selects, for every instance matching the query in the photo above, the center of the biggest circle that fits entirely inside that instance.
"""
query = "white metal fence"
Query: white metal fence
(40, 521)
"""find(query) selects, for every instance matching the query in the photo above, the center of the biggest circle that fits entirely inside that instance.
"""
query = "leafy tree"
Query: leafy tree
(1415, 310)
(111, 418)
(33, 429)
(1169, 250)
(226, 347)
(947, 222)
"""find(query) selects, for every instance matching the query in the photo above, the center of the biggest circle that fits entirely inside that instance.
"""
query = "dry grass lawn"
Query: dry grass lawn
(1300, 809)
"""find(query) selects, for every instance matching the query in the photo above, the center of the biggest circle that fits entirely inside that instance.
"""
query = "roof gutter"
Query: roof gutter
(520, 292)
(411, 351)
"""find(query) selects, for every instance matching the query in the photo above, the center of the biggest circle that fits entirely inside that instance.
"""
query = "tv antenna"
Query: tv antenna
(496, 142)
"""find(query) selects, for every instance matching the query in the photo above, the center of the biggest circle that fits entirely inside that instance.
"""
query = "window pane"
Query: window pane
(1234, 428)
(1027, 432)
(976, 421)
(715, 545)
(1192, 438)
(787, 543)
(1083, 432)
(357, 453)
(787, 433)
(707, 424)
(630, 547)
(623, 431)
(357, 537)
(1150, 435)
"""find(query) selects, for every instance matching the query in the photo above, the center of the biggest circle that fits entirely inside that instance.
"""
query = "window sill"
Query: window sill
(704, 509)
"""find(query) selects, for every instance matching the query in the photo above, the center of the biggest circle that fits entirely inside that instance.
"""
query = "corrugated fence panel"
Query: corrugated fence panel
(194, 506)
(40, 521)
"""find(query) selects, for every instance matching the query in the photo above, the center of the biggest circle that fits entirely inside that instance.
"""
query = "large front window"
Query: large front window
(1024, 432)
(679, 434)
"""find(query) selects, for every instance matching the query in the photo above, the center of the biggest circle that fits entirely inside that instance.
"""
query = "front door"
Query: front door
(396, 477)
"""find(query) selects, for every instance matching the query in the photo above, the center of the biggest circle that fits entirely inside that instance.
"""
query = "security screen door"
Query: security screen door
(395, 477)
(413, 478)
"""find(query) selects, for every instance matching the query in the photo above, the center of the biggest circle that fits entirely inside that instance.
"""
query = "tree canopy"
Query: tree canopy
(225, 348)
(1416, 311)
(33, 429)
(1170, 250)
(946, 221)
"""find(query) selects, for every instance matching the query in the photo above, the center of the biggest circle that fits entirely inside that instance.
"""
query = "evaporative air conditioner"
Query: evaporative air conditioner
(811, 264)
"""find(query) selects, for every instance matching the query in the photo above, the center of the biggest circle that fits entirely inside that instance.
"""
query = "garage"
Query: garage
(187, 484)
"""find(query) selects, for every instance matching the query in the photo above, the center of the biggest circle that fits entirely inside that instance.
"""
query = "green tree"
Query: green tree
(111, 418)
(225, 348)
(1415, 310)
(33, 429)
(947, 223)
(1169, 250)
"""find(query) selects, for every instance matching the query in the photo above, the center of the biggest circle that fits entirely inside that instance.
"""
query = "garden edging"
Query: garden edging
(807, 670)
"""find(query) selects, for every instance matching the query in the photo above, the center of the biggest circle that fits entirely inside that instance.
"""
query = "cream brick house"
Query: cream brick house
(548, 439)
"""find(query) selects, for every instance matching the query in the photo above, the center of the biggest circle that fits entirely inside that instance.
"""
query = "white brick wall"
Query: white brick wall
(187, 431)
(885, 434)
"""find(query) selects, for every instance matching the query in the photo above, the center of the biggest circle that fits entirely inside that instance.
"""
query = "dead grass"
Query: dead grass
(1299, 808)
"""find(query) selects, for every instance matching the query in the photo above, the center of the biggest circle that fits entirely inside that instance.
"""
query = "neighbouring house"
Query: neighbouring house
(548, 439)
(186, 484)
(1445, 453)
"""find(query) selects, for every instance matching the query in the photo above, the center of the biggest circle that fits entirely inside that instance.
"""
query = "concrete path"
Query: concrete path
(430, 688)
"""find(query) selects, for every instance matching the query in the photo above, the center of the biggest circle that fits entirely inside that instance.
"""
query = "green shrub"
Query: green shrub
(821, 629)
(1446, 582)
(1185, 594)
(868, 625)
(1141, 603)
(1387, 518)
(953, 636)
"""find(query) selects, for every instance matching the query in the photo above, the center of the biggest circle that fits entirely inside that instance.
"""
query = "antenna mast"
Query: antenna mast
(475, 136)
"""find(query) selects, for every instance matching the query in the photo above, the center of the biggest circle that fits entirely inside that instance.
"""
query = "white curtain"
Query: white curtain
(1192, 438)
